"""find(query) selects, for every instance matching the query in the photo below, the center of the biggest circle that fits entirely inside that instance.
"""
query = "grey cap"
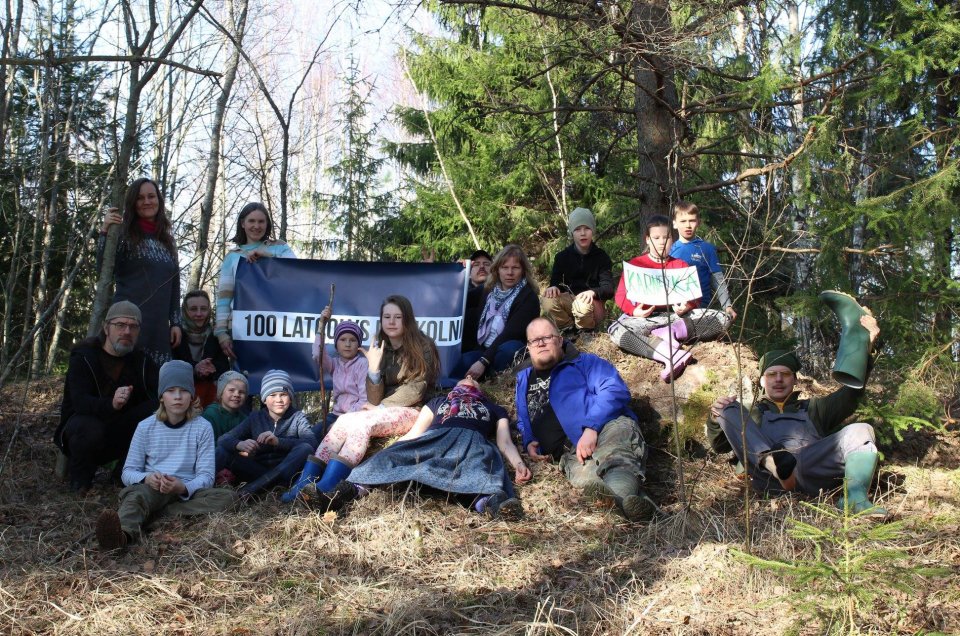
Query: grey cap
(581, 216)
(227, 377)
(176, 373)
(276, 381)
(123, 309)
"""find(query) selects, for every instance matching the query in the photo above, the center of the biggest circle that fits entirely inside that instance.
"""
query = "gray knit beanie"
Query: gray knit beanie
(123, 309)
(275, 381)
(227, 377)
(581, 216)
(176, 373)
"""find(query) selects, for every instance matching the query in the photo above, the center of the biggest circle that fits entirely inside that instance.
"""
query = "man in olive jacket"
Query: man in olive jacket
(795, 444)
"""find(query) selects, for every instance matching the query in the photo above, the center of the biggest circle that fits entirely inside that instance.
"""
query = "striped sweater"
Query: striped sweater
(228, 279)
(185, 452)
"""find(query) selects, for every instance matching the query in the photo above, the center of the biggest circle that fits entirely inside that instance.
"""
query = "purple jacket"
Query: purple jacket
(349, 380)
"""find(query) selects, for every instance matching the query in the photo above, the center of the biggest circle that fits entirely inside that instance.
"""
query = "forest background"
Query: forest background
(820, 140)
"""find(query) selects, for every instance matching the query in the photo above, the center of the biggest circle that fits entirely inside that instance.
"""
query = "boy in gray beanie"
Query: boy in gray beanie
(581, 280)
(170, 465)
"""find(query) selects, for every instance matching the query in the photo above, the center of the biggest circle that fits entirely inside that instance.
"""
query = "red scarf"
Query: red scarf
(147, 226)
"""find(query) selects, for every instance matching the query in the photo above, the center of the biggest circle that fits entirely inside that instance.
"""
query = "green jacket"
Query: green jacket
(825, 413)
(221, 419)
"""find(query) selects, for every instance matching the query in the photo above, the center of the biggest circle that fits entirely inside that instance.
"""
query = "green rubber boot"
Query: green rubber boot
(858, 474)
(850, 367)
(631, 500)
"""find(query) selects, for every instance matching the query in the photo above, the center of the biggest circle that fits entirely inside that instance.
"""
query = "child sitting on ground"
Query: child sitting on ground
(348, 370)
(169, 466)
(225, 414)
(271, 445)
(650, 331)
(692, 249)
(581, 280)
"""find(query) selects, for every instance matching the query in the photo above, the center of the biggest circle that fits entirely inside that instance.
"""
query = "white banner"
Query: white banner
(661, 286)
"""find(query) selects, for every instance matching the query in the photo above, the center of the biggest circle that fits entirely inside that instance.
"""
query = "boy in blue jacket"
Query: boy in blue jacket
(573, 407)
(272, 444)
(690, 248)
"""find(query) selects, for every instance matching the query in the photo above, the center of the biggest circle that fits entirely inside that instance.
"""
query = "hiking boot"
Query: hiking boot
(597, 490)
(110, 535)
(336, 499)
(81, 488)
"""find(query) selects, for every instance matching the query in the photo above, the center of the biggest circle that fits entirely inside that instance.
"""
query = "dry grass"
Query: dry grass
(402, 564)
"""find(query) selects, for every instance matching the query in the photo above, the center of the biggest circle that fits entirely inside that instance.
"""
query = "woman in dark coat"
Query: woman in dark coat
(510, 300)
(146, 271)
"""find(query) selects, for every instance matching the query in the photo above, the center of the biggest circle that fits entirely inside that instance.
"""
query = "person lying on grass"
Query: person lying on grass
(448, 451)
(169, 468)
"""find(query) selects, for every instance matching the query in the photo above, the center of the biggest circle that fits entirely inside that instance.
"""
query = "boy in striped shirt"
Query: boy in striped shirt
(170, 465)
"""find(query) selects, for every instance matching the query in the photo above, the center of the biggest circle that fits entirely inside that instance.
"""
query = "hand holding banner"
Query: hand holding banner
(661, 287)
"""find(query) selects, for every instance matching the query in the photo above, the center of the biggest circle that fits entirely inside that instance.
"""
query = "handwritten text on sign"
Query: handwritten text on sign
(661, 286)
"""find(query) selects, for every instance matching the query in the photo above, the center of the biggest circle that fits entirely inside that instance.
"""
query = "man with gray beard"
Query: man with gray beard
(110, 387)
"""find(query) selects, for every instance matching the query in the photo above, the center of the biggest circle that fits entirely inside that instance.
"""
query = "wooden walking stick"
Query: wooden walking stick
(323, 334)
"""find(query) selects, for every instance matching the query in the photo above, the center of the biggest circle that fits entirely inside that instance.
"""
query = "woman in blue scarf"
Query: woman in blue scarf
(511, 299)
(447, 450)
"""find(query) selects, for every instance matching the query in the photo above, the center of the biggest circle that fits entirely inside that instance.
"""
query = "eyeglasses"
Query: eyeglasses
(125, 326)
(542, 341)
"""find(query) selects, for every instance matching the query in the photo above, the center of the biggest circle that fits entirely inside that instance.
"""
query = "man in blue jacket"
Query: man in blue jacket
(573, 407)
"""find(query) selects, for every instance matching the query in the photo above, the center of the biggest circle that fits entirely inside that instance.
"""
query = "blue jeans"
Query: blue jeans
(502, 359)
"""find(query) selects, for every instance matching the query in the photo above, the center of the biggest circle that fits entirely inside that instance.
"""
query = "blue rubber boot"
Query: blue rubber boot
(312, 469)
(337, 470)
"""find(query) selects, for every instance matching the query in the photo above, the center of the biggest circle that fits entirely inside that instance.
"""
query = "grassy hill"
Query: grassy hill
(401, 564)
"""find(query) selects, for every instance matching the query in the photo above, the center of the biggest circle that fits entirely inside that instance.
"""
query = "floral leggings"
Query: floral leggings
(351, 433)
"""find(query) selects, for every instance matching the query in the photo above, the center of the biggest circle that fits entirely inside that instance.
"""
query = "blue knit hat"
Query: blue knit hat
(276, 381)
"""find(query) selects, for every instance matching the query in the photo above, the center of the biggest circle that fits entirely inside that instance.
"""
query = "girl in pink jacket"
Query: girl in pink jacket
(348, 369)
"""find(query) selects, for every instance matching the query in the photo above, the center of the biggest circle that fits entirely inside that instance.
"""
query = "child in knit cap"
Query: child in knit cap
(271, 445)
(348, 370)
(169, 466)
(581, 280)
(225, 413)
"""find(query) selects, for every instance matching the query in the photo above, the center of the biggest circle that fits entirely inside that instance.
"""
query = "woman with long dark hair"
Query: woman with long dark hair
(146, 270)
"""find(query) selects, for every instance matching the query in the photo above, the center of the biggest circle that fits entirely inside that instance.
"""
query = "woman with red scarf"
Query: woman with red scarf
(146, 271)
(446, 451)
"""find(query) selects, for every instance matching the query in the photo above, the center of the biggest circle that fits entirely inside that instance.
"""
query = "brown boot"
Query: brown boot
(110, 535)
